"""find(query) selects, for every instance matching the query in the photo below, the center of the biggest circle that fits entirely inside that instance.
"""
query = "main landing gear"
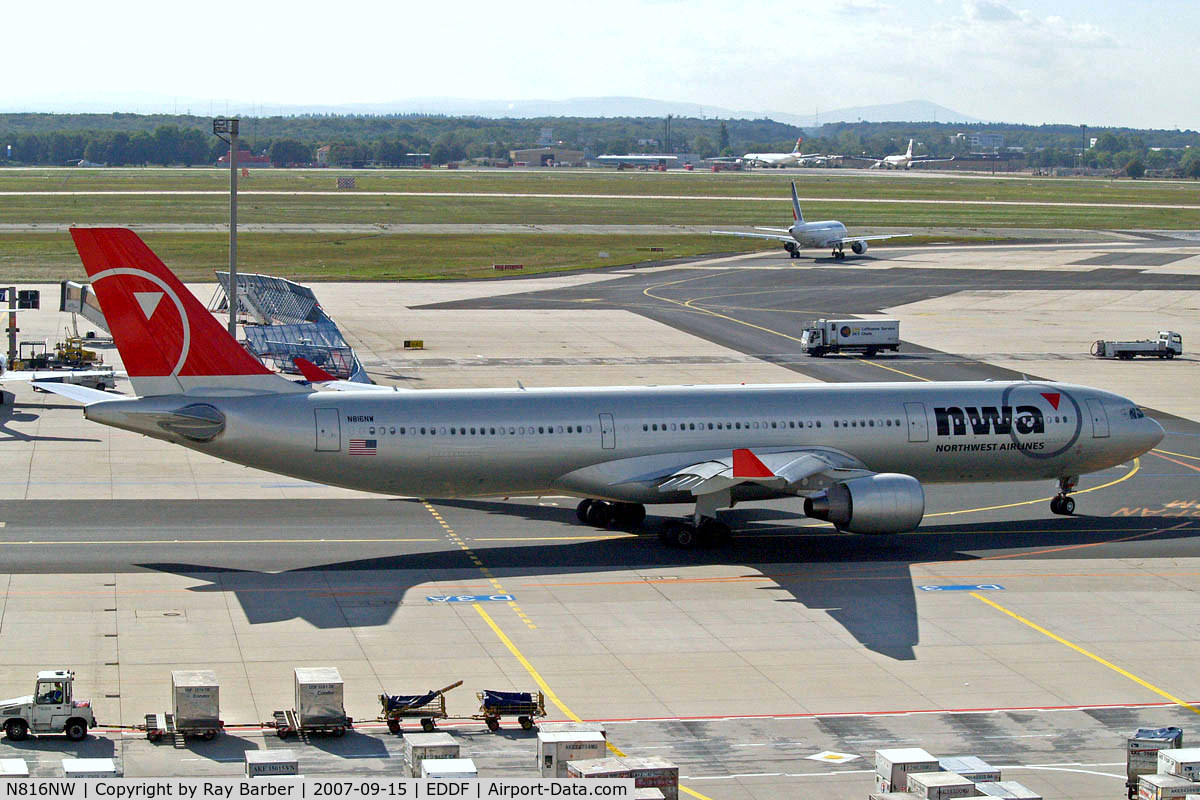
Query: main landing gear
(838, 253)
(1063, 503)
(792, 250)
(684, 534)
(601, 513)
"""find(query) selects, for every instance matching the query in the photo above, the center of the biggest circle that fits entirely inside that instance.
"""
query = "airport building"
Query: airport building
(546, 156)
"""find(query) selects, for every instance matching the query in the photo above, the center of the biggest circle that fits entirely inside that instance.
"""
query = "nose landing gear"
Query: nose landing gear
(1063, 504)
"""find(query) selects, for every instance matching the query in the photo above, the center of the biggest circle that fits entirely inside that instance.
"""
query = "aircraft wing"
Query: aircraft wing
(871, 238)
(779, 237)
(781, 471)
(921, 160)
(81, 394)
(53, 375)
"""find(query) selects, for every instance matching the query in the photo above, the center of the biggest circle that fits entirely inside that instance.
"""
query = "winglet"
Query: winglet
(747, 465)
(796, 213)
(311, 372)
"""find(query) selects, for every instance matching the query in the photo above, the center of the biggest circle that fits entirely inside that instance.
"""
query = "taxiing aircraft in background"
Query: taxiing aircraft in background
(905, 160)
(856, 453)
(826, 233)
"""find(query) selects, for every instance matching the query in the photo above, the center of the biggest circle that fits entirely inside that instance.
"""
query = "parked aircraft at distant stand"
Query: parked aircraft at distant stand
(792, 159)
(856, 453)
(826, 233)
(905, 160)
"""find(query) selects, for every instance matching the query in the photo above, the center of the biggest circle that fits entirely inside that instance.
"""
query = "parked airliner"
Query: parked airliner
(792, 159)
(826, 233)
(857, 453)
(905, 160)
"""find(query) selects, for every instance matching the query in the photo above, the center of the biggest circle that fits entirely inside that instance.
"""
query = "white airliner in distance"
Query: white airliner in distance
(826, 233)
(905, 160)
(857, 453)
(792, 159)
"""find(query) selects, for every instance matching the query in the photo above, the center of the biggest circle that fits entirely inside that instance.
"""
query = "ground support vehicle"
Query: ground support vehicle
(1168, 345)
(426, 707)
(867, 336)
(525, 706)
(50, 709)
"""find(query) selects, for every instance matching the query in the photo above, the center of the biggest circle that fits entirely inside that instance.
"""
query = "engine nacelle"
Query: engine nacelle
(885, 503)
(858, 247)
(789, 246)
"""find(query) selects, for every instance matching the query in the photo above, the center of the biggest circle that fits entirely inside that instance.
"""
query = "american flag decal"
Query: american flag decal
(362, 447)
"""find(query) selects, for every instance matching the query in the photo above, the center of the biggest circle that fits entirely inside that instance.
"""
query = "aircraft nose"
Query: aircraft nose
(1154, 434)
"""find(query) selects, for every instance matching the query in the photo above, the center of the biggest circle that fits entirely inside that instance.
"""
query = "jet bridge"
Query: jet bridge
(283, 320)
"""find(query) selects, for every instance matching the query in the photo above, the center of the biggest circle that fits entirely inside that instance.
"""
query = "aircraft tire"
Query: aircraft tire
(581, 510)
(629, 515)
(1068, 506)
(599, 514)
(714, 532)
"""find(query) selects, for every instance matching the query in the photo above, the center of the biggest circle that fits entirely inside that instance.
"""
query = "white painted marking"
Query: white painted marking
(148, 301)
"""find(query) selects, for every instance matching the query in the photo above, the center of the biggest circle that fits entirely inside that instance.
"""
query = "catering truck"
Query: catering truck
(1168, 345)
(866, 336)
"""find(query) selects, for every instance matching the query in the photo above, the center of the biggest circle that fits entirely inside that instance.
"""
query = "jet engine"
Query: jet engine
(858, 247)
(884, 503)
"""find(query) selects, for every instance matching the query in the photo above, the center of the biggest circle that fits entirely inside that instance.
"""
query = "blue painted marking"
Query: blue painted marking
(470, 598)
(964, 587)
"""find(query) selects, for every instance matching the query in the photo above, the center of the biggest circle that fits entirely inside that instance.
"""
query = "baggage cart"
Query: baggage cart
(426, 707)
(163, 724)
(525, 706)
(288, 723)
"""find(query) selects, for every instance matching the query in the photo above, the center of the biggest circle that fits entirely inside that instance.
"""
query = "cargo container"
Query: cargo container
(433, 746)
(1141, 753)
(893, 766)
(89, 768)
(1184, 762)
(319, 693)
(970, 767)
(654, 772)
(1162, 787)
(940, 786)
(13, 768)
(268, 763)
(1010, 790)
(577, 727)
(598, 768)
(195, 698)
(555, 749)
(448, 768)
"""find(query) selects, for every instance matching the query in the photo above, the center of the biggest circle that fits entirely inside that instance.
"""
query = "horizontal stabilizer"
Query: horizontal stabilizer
(80, 394)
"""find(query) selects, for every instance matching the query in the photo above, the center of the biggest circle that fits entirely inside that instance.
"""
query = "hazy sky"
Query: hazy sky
(1094, 61)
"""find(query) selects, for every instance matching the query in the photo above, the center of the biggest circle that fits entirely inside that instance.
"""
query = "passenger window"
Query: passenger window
(672, 426)
(522, 429)
(371, 431)
(541, 429)
(835, 423)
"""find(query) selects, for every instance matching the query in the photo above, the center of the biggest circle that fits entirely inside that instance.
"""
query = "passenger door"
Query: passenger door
(1099, 418)
(329, 430)
(608, 432)
(918, 422)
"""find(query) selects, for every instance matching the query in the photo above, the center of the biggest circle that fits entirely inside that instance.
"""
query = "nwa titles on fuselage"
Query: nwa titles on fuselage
(857, 453)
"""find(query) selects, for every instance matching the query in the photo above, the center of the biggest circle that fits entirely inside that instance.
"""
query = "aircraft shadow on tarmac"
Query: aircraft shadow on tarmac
(9, 414)
(864, 583)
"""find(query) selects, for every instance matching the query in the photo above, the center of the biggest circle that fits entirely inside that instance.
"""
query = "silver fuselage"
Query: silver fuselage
(616, 442)
(818, 234)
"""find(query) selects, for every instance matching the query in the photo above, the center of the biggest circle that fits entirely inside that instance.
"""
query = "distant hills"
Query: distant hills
(907, 111)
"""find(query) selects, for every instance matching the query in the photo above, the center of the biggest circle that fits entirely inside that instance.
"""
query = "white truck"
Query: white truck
(51, 708)
(1168, 345)
(866, 336)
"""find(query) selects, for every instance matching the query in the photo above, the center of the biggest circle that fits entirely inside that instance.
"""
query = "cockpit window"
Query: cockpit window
(1136, 413)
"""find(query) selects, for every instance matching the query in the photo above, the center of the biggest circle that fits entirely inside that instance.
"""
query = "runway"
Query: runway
(997, 629)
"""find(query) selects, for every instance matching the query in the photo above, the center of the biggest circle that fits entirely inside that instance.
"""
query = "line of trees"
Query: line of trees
(129, 139)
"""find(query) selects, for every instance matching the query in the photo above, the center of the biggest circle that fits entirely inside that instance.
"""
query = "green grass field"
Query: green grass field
(761, 198)
(758, 183)
(39, 257)
(373, 209)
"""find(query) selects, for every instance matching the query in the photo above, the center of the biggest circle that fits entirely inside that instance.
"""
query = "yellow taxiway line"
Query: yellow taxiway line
(551, 695)
(1137, 465)
(1104, 662)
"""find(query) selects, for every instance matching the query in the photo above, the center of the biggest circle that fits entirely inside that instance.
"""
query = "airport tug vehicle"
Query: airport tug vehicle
(52, 708)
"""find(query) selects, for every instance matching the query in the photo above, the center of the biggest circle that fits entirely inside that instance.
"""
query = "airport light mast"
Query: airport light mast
(221, 128)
